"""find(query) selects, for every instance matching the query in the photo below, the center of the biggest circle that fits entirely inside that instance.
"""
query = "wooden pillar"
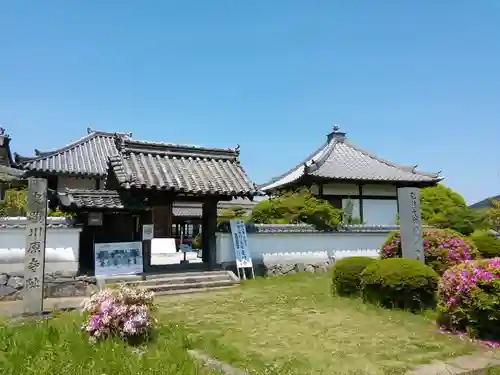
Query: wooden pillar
(162, 219)
(209, 227)
(361, 214)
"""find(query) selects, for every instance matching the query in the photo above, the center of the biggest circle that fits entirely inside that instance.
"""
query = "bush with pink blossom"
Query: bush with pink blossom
(469, 298)
(124, 312)
(443, 248)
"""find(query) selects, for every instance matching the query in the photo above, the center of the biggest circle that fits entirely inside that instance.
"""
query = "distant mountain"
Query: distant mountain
(485, 203)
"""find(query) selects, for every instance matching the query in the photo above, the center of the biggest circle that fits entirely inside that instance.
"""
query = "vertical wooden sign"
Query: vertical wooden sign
(34, 258)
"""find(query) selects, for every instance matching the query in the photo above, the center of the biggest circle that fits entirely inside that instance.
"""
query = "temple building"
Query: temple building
(345, 174)
(115, 184)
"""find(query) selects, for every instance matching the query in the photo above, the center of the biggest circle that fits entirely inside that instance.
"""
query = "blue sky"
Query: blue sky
(414, 82)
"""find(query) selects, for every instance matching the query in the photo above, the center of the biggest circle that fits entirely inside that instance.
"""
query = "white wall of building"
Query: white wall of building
(61, 253)
(338, 244)
(375, 211)
(380, 212)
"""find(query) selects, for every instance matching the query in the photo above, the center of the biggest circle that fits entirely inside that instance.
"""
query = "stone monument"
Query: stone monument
(36, 227)
(412, 243)
(36, 230)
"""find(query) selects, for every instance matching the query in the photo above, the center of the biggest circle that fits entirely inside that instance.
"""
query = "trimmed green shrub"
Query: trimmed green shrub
(347, 275)
(487, 244)
(469, 298)
(443, 248)
(400, 283)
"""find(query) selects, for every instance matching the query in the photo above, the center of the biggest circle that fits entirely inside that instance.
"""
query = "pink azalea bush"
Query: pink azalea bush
(123, 312)
(443, 248)
(469, 298)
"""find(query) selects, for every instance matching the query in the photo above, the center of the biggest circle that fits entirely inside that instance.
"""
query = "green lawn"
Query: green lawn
(292, 325)
(56, 347)
(280, 326)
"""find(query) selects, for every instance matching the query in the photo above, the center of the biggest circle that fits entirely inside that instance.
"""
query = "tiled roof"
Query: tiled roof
(20, 222)
(339, 159)
(114, 200)
(88, 156)
(186, 169)
(485, 203)
(98, 199)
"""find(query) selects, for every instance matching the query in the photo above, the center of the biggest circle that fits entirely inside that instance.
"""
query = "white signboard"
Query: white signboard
(412, 243)
(162, 250)
(120, 258)
(148, 231)
(240, 244)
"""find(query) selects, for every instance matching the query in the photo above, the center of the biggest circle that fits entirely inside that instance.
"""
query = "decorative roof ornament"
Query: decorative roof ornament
(119, 141)
(89, 130)
(2, 133)
(336, 128)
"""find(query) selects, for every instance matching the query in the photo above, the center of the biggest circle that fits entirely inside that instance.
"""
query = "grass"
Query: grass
(56, 346)
(292, 325)
(287, 325)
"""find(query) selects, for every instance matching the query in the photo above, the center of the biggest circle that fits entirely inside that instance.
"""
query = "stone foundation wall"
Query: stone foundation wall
(279, 264)
(57, 284)
(285, 269)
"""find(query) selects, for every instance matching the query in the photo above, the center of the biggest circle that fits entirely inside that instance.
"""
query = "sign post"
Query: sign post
(148, 231)
(412, 243)
(34, 258)
(240, 244)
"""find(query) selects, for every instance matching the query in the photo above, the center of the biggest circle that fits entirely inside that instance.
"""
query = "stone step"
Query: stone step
(173, 280)
(193, 290)
(160, 288)
(141, 278)
(185, 274)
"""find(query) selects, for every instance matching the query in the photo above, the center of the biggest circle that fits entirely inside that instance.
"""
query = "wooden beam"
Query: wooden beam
(209, 227)
(361, 213)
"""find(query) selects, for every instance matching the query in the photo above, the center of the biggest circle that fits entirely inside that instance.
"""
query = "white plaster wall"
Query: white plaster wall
(338, 244)
(340, 189)
(380, 190)
(76, 183)
(61, 253)
(380, 211)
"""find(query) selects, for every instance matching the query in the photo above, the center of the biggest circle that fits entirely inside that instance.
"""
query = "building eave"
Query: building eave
(298, 170)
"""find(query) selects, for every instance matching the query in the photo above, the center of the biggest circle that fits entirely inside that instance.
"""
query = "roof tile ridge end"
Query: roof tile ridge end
(108, 133)
(316, 164)
(293, 169)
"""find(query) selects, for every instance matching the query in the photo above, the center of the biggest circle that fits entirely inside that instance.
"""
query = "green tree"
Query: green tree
(444, 208)
(15, 204)
(232, 213)
(294, 207)
(494, 215)
(439, 199)
(461, 219)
